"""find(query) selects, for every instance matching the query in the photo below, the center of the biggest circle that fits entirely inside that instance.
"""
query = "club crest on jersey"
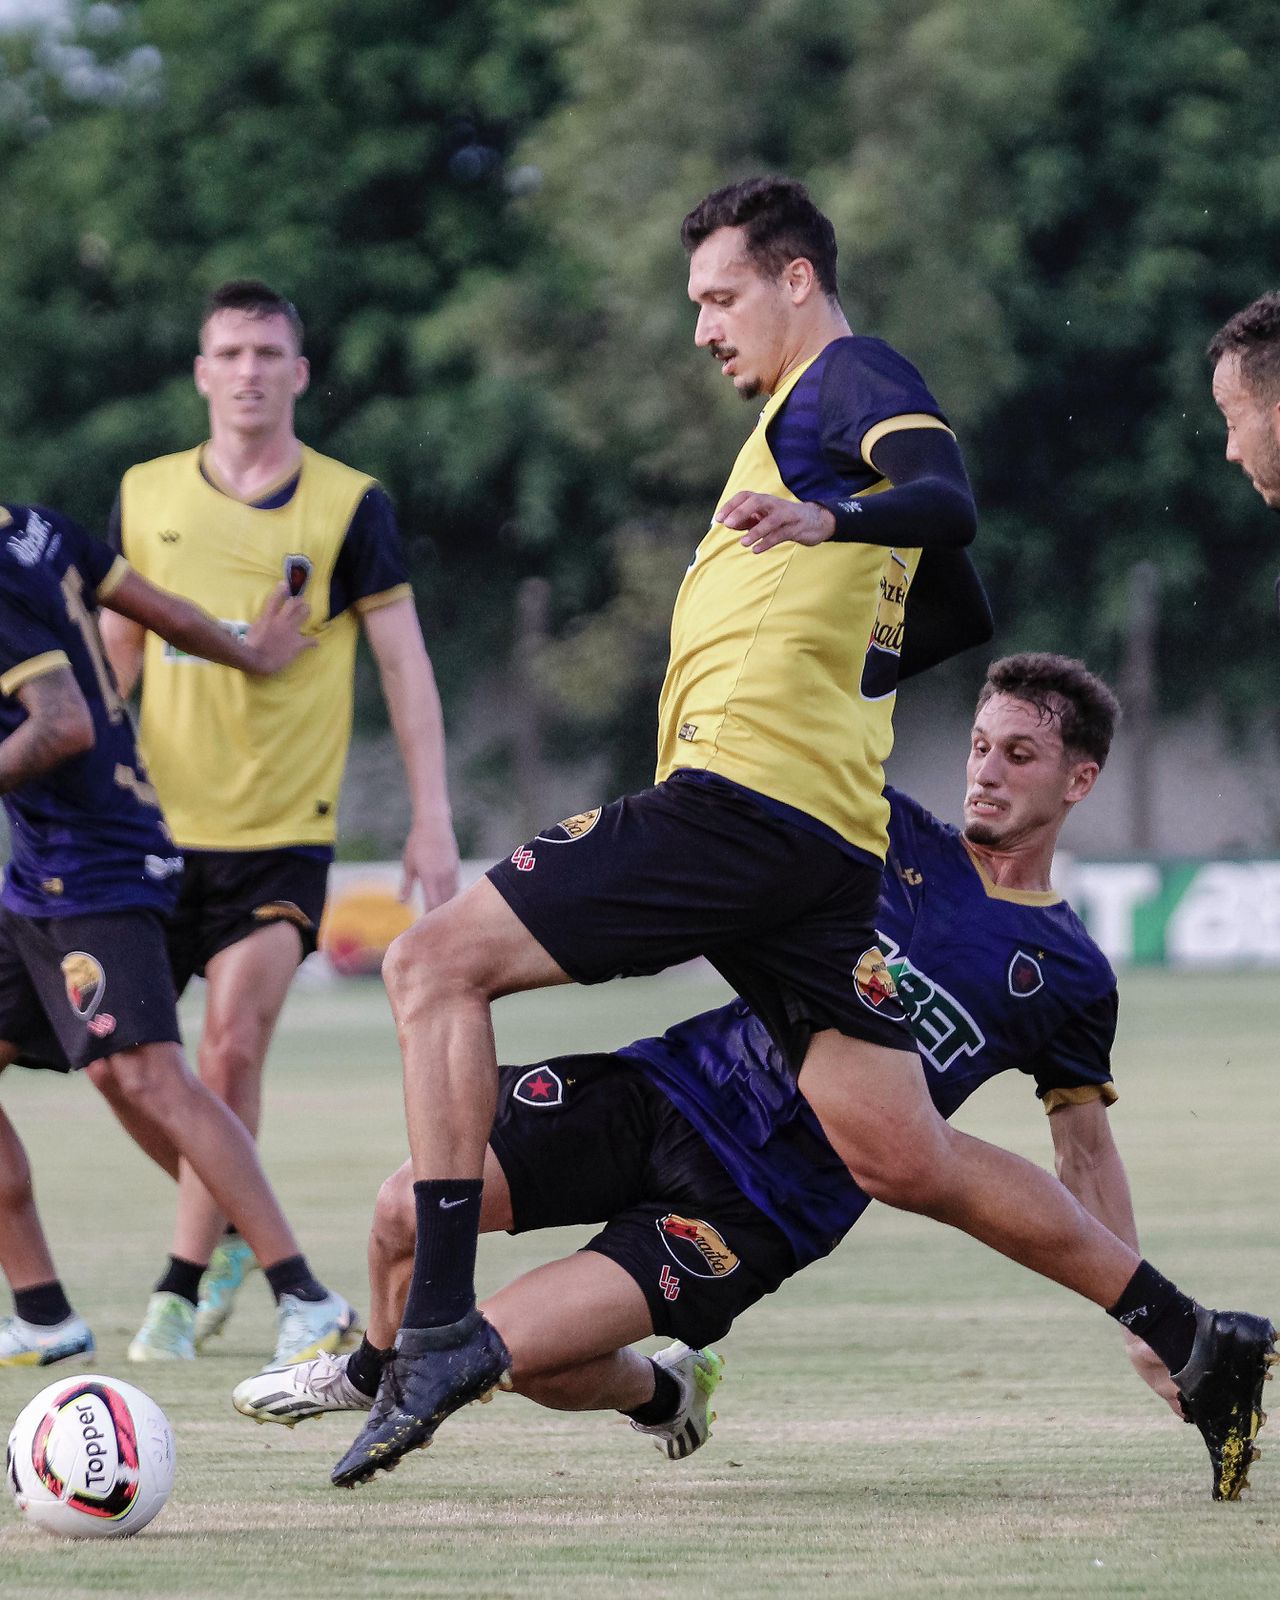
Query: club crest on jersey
(1025, 976)
(297, 572)
(85, 981)
(572, 828)
(539, 1087)
(696, 1246)
(875, 985)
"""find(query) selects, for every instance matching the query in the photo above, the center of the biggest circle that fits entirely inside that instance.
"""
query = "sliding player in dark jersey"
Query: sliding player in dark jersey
(84, 974)
(707, 1166)
(761, 844)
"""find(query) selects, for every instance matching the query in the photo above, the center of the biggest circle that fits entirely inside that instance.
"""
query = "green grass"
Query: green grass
(913, 1418)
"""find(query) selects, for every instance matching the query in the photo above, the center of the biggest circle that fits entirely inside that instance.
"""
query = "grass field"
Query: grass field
(912, 1418)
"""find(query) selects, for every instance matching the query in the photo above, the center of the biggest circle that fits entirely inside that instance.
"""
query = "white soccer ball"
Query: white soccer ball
(91, 1458)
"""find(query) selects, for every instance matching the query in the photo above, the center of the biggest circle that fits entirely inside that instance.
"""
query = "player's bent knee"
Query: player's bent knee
(394, 1222)
(429, 962)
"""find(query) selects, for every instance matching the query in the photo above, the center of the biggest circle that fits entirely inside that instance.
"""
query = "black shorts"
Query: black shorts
(590, 1139)
(228, 894)
(697, 868)
(76, 989)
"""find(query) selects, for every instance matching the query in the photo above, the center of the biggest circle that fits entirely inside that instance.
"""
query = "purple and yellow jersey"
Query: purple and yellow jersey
(246, 763)
(784, 666)
(87, 836)
(993, 980)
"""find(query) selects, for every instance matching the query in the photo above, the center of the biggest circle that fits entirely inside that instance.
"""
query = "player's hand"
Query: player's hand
(1153, 1372)
(770, 521)
(276, 637)
(430, 860)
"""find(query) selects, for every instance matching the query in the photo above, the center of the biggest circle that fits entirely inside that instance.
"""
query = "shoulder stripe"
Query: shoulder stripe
(910, 419)
(1080, 1094)
(375, 602)
(118, 572)
(35, 667)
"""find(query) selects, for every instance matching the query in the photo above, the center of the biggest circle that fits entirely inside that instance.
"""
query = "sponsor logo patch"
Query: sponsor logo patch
(668, 1283)
(875, 985)
(161, 866)
(101, 1025)
(297, 573)
(523, 859)
(539, 1087)
(696, 1246)
(170, 536)
(572, 828)
(1025, 976)
(30, 545)
(85, 981)
(688, 732)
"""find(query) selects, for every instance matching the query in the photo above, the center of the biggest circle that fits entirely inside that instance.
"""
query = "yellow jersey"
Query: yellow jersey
(245, 763)
(783, 666)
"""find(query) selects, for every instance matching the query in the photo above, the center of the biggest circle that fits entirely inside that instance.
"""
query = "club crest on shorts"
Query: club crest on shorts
(696, 1246)
(539, 1087)
(572, 828)
(875, 985)
(1025, 976)
(297, 572)
(85, 981)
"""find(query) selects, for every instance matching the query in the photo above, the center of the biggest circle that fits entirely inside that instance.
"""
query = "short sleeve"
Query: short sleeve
(370, 570)
(29, 646)
(868, 390)
(1078, 1057)
(95, 560)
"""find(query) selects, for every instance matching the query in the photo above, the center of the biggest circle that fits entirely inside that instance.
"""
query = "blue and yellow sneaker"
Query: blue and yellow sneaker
(698, 1372)
(34, 1344)
(309, 1328)
(229, 1265)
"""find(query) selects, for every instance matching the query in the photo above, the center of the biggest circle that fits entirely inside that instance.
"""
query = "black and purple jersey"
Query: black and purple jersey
(89, 835)
(991, 979)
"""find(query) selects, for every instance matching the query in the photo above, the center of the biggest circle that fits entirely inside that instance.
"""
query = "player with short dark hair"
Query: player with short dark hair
(702, 1159)
(1245, 354)
(84, 976)
(761, 846)
(249, 773)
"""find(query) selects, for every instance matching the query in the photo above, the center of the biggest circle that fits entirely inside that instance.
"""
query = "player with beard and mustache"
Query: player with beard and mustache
(1246, 387)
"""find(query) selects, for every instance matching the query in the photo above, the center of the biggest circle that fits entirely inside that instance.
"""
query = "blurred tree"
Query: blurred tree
(1049, 208)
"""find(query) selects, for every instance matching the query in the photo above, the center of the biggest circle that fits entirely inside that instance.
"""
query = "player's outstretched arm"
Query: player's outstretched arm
(1089, 1164)
(58, 726)
(274, 640)
(413, 702)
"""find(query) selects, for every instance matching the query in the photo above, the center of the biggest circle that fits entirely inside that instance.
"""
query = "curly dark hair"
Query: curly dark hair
(780, 221)
(1062, 689)
(1254, 336)
(256, 299)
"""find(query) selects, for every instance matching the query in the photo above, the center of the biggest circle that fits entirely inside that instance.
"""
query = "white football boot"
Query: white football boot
(698, 1372)
(293, 1394)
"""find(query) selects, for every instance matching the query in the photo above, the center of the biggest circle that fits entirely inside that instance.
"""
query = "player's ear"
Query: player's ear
(301, 374)
(1081, 777)
(800, 280)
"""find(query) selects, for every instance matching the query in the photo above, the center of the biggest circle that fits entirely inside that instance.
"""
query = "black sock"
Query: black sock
(665, 1402)
(364, 1366)
(443, 1288)
(182, 1278)
(1159, 1313)
(45, 1304)
(293, 1276)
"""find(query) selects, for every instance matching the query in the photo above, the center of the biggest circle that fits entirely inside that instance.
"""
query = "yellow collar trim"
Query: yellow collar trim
(210, 474)
(1017, 897)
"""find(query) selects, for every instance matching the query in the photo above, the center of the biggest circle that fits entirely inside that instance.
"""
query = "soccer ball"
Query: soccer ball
(91, 1458)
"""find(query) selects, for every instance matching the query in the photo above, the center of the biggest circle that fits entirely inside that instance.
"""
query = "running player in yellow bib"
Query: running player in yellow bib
(248, 773)
(761, 844)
